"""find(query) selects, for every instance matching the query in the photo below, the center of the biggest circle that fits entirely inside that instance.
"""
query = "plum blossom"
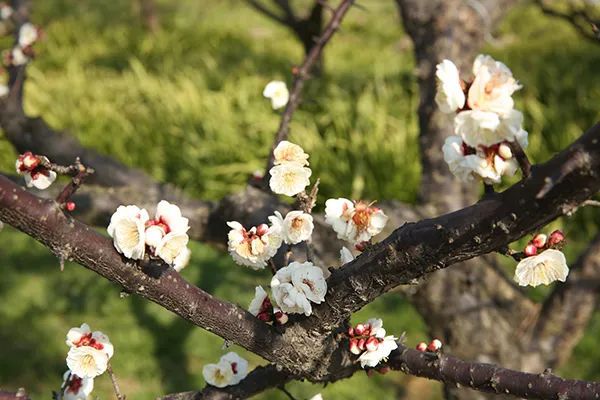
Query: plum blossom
(182, 260)
(76, 388)
(487, 128)
(492, 87)
(254, 247)
(297, 226)
(278, 92)
(289, 152)
(356, 221)
(18, 57)
(289, 178)
(488, 163)
(230, 370)
(89, 351)
(6, 11)
(166, 233)
(28, 34)
(294, 287)
(450, 96)
(35, 174)
(346, 255)
(369, 340)
(127, 228)
(542, 269)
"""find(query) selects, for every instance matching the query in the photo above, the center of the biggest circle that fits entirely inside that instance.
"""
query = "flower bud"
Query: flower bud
(351, 331)
(359, 329)
(360, 246)
(372, 343)
(70, 205)
(435, 345)
(539, 240)
(384, 370)
(361, 344)
(530, 250)
(281, 317)
(154, 235)
(354, 347)
(422, 346)
(262, 229)
(556, 237)
(263, 316)
(504, 151)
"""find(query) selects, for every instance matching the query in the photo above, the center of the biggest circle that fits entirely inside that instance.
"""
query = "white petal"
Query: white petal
(289, 179)
(259, 297)
(86, 361)
(170, 214)
(182, 260)
(449, 96)
(278, 92)
(289, 152)
(345, 256)
(171, 246)
(543, 269)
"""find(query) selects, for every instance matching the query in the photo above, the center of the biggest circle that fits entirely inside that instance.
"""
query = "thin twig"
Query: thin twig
(284, 390)
(515, 255)
(113, 379)
(301, 75)
(521, 157)
(80, 172)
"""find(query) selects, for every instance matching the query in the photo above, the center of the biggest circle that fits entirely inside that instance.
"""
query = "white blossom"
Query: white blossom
(289, 152)
(17, 57)
(278, 92)
(354, 222)
(170, 215)
(297, 226)
(296, 285)
(83, 336)
(41, 179)
(5, 11)
(171, 246)
(346, 255)
(219, 375)
(76, 388)
(256, 304)
(87, 361)
(182, 260)
(34, 173)
(28, 34)
(238, 365)
(542, 269)
(289, 178)
(370, 358)
(450, 96)
(127, 228)
(254, 247)
(492, 87)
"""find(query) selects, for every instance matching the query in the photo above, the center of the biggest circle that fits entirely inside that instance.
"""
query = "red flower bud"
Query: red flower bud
(361, 344)
(539, 240)
(384, 370)
(556, 237)
(262, 229)
(372, 343)
(422, 346)
(435, 345)
(281, 317)
(370, 372)
(359, 329)
(360, 246)
(70, 205)
(354, 347)
(351, 331)
(530, 250)
(265, 317)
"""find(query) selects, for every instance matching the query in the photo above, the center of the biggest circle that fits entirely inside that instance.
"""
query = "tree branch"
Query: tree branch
(583, 23)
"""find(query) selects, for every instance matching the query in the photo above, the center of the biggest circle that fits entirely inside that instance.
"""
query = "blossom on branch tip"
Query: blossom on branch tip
(238, 365)
(254, 247)
(75, 387)
(89, 351)
(297, 226)
(450, 96)
(289, 152)
(354, 222)
(544, 268)
(278, 92)
(35, 174)
(17, 56)
(295, 286)
(369, 340)
(127, 228)
(289, 178)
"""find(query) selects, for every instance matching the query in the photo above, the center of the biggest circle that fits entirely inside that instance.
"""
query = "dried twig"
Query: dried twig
(113, 379)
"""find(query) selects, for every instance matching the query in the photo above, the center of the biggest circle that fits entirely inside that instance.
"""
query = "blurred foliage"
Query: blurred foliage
(185, 105)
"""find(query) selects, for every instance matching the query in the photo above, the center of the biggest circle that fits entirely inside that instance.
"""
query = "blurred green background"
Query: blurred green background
(185, 105)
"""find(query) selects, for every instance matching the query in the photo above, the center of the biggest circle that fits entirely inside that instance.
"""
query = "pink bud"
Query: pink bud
(351, 331)
(372, 343)
(556, 237)
(504, 151)
(262, 229)
(70, 205)
(422, 346)
(359, 329)
(530, 250)
(354, 347)
(539, 240)
(360, 246)
(361, 344)
(435, 345)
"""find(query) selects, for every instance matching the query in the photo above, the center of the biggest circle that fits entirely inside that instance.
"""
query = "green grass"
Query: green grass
(186, 106)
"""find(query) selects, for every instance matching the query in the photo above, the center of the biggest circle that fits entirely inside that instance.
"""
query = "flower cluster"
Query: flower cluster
(230, 370)
(354, 222)
(37, 175)
(262, 308)
(294, 287)
(75, 387)
(23, 51)
(278, 92)
(433, 346)
(165, 236)
(290, 174)
(485, 121)
(543, 263)
(255, 246)
(370, 342)
(89, 352)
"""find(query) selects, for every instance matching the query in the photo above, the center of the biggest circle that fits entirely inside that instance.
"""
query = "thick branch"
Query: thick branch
(257, 381)
(72, 240)
(490, 378)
